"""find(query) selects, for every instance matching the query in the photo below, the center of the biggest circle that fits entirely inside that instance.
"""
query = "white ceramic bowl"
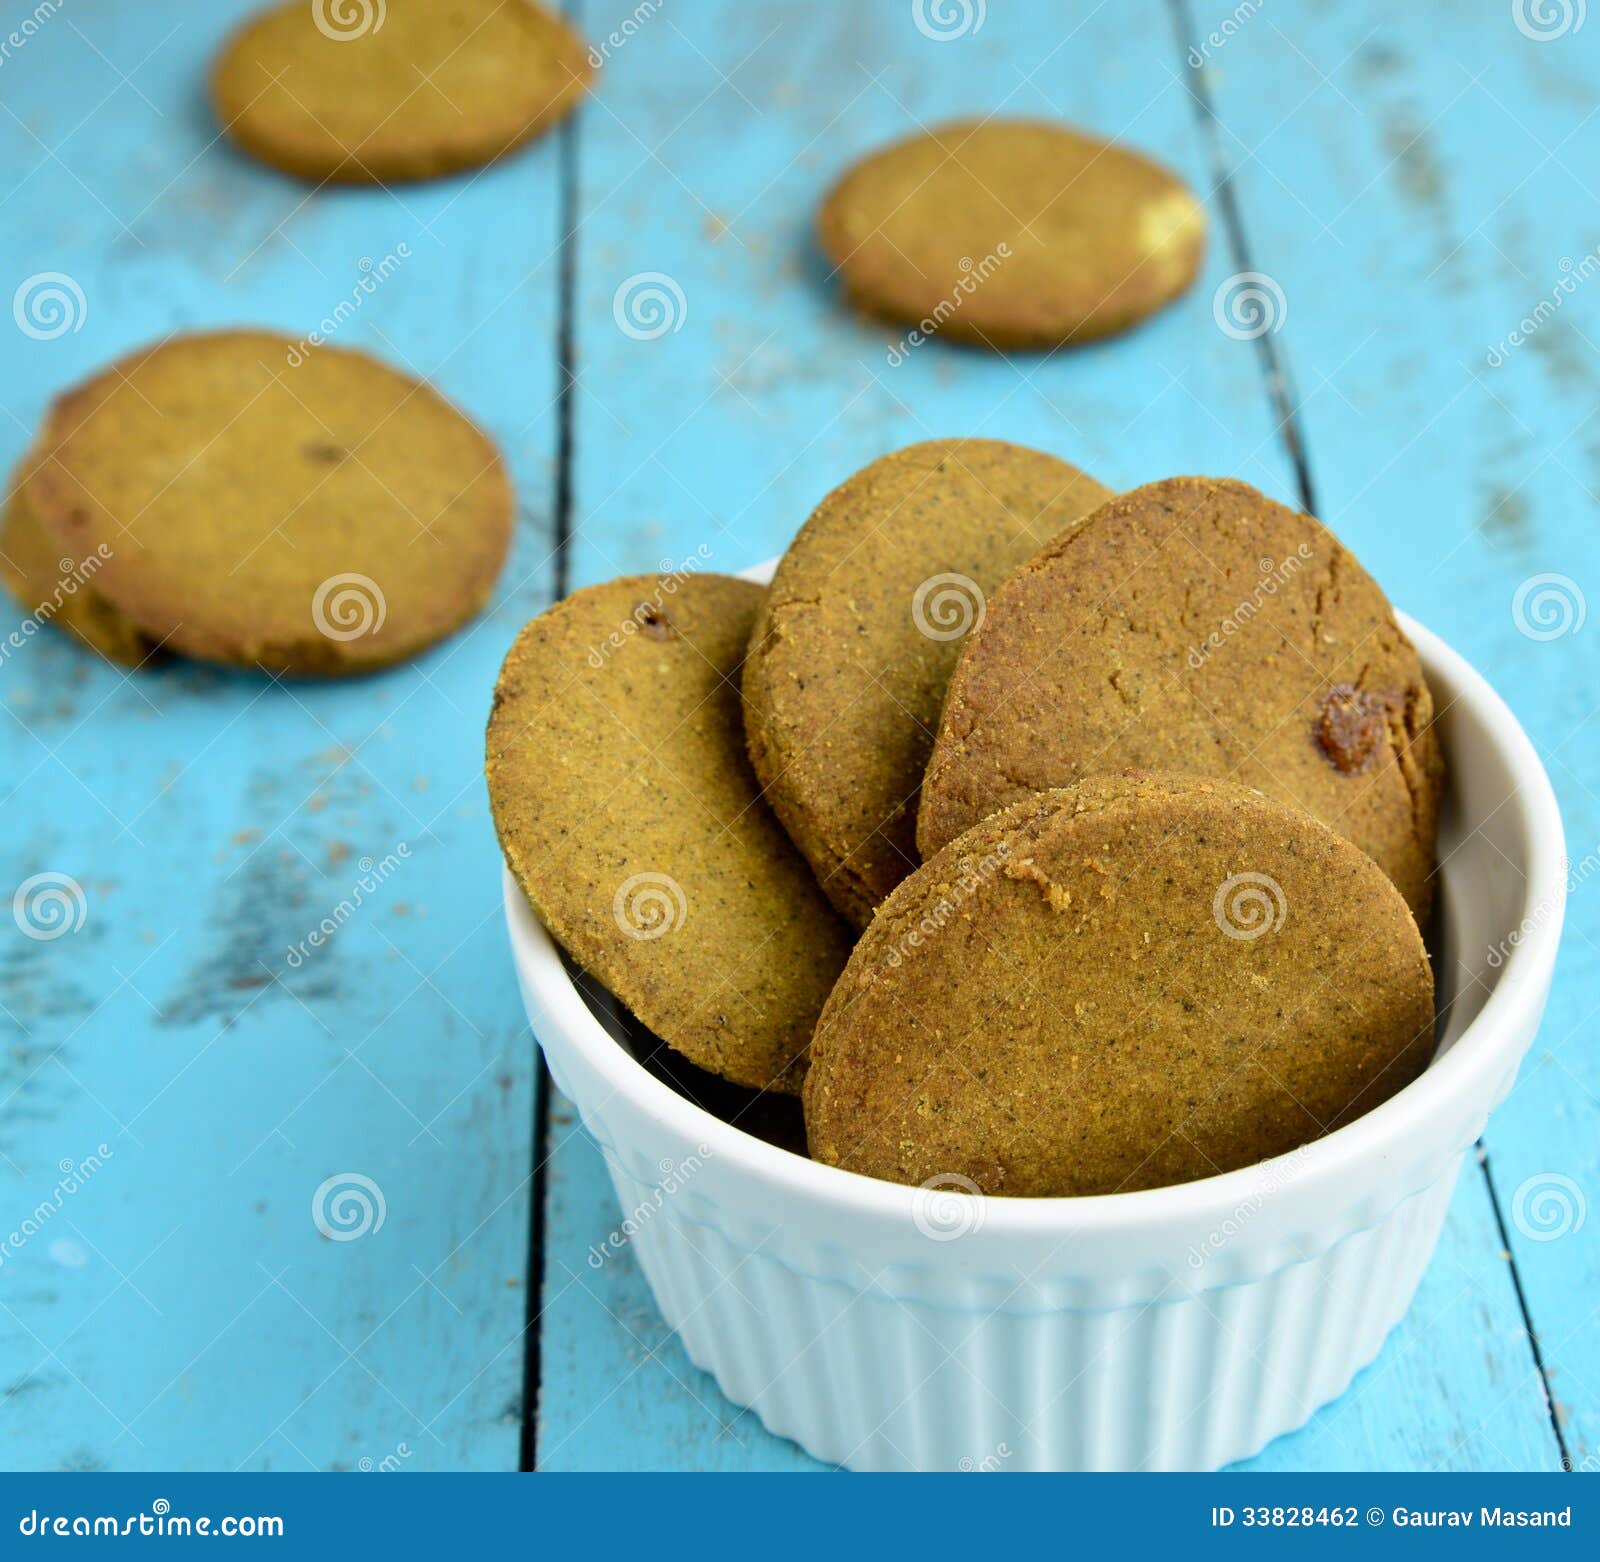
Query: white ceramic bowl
(886, 1327)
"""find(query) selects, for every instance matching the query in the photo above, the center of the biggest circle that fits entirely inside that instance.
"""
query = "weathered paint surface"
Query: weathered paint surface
(1411, 183)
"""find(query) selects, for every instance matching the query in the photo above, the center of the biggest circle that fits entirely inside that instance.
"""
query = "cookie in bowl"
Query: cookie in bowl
(1129, 983)
(630, 817)
(1195, 625)
(859, 632)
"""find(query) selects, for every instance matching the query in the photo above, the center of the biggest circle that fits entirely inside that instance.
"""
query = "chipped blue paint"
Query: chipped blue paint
(181, 1307)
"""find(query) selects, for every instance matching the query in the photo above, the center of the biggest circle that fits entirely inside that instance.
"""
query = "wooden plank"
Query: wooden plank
(1419, 183)
(180, 1309)
(619, 1391)
(704, 158)
(1454, 1388)
(712, 138)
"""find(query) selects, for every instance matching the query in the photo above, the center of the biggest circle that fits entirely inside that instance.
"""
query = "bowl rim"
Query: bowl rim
(1478, 1056)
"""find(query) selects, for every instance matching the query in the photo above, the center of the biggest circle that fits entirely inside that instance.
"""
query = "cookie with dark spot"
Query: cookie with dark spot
(864, 620)
(51, 588)
(1012, 232)
(630, 816)
(326, 518)
(372, 91)
(1129, 983)
(1195, 625)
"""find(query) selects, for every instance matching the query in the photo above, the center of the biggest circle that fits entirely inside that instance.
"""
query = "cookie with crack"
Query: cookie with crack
(55, 589)
(324, 518)
(1130, 983)
(856, 639)
(1195, 625)
(630, 816)
(374, 91)
(1012, 233)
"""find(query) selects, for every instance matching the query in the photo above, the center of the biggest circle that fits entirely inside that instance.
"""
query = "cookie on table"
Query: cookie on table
(1195, 625)
(372, 91)
(323, 519)
(52, 588)
(856, 639)
(629, 814)
(1012, 232)
(1129, 983)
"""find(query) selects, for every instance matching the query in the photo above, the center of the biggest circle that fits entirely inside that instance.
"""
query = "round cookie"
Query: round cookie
(1012, 232)
(370, 91)
(628, 813)
(325, 519)
(1194, 625)
(52, 588)
(856, 639)
(1130, 983)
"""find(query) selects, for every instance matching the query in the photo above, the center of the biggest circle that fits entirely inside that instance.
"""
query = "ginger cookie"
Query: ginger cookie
(370, 91)
(1194, 625)
(1130, 983)
(52, 588)
(1013, 233)
(324, 519)
(856, 639)
(630, 816)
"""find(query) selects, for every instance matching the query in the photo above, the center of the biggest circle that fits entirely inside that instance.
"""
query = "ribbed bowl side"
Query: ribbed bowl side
(882, 1382)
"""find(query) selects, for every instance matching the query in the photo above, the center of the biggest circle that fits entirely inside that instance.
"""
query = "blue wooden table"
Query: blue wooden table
(194, 1122)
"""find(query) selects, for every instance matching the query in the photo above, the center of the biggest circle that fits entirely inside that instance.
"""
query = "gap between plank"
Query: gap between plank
(567, 216)
(1522, 1306)
(1279, 387)
(1274, 365)
(1280, 391)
